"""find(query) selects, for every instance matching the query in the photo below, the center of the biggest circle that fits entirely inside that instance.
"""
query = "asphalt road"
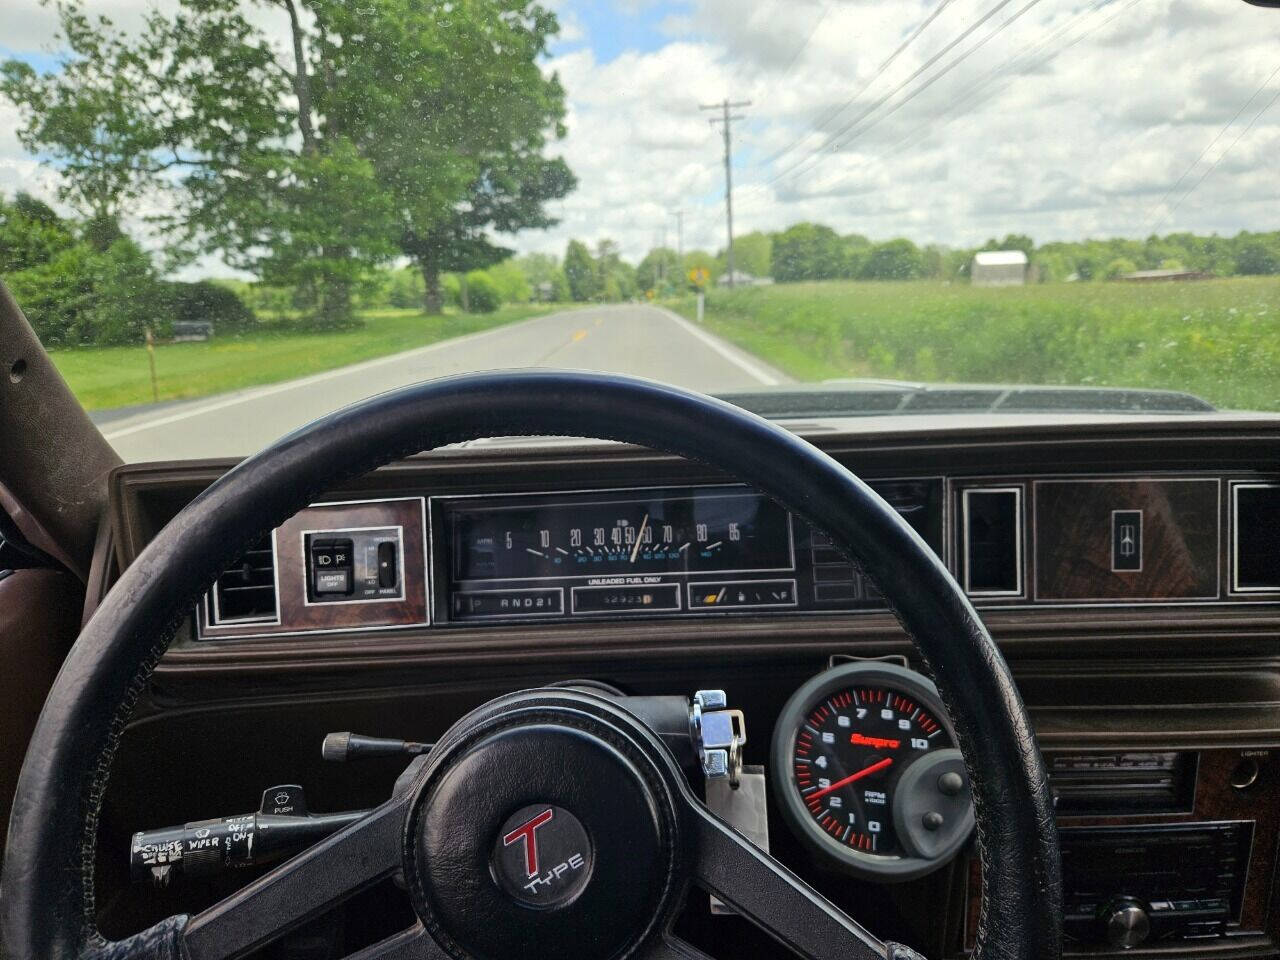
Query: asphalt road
(642, 341)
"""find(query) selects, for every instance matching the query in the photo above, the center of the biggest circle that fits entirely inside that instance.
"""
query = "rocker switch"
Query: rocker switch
(331, 567)
(388, 575)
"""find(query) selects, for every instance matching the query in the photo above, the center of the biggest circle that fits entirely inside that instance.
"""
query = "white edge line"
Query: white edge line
(739, 361)
(255, 394)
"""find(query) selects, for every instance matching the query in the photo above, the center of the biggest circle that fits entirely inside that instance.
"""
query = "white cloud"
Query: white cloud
(1074, 120)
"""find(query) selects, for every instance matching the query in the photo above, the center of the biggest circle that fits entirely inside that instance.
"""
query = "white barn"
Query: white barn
(999, 268)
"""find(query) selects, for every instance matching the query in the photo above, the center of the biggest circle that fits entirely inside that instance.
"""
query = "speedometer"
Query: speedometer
(865, 760)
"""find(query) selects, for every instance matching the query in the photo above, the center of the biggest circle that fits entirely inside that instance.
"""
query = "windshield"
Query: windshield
(225, 218)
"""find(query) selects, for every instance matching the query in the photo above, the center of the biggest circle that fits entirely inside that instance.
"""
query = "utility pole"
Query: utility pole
(727, 119)
(679, 214)
(662, 257)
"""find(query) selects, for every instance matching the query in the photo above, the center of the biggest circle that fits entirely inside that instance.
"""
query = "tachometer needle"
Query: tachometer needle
(864, 772)
(877, 742)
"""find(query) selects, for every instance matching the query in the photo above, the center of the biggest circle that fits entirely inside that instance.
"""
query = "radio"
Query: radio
(1124, 886)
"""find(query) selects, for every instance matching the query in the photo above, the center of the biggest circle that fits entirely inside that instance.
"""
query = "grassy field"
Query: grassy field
(1219, 339)
(104, 377)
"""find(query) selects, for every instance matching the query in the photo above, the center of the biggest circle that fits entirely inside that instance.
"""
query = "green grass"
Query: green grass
(1218, 339)
(104, 377)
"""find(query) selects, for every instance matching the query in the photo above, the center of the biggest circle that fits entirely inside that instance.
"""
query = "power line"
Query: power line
(1205, 152)
(1222, 156)
(795, 57)
(939, 75)
(816, 155)
(1022, 60)
(727, 119)
(879, 71)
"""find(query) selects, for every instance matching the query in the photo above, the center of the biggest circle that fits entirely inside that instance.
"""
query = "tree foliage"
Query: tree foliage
(30, 234)
(580, 272)
(752, 253)
(209, 302)
(893, 260)
(808, 251)
(482, 292)
(660, 270)
(86, 296)
(411, 127)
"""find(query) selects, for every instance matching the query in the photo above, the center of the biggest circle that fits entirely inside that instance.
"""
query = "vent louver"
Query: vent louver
(246, 591)
(991, 546)
(1257, 537)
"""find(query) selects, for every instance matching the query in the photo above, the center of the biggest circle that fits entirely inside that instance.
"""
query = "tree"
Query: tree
(453, 112)
(545, 276)
(933, 260)
(616, 280)
(580, 271)
(893, 260)
(483, 295)
(702, 260)
(30, 234)
(807, 251)
(1255, 256)
(404, 288)
(263, 178)
(1119, 267)
(660, 270)
(416, 130)
(753, 254)
(856, 250)
(538, 268)
(88, 296)
(104, 151)
(510, 281)
(1012, 241)
(207, 301)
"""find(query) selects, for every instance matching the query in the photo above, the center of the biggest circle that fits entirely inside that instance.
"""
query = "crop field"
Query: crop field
(1218, 339)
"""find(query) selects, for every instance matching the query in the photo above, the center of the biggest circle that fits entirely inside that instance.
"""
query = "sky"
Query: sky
(1061, 119)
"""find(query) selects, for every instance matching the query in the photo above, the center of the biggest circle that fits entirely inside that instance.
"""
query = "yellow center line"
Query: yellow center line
(579, 335)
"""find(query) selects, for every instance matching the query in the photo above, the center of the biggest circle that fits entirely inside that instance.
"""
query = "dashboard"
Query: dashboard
(1130, 572)
(712, 550)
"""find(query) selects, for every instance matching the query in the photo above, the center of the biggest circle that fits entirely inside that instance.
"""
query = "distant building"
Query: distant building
(742, 279)
(998, 268)
(1162, 276)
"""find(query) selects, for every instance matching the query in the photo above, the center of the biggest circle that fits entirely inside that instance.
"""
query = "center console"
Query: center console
(1162, 850)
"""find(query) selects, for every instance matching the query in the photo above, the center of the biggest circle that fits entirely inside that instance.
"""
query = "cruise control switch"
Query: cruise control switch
(281, 827)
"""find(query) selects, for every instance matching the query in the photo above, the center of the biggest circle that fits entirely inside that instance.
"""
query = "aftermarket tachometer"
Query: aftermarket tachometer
(865, 761)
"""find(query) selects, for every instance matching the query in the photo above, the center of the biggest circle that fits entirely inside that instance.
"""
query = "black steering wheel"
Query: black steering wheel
(618, 799)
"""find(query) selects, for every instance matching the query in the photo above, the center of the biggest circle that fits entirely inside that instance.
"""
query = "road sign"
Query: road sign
(699, 276)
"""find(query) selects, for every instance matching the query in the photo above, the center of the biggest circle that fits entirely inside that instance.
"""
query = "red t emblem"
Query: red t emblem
(526, 832)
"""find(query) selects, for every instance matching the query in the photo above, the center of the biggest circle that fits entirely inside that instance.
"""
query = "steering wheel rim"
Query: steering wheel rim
(47, 885)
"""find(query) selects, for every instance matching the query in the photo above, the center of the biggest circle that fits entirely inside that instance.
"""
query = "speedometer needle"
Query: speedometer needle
(864, 772)
(639, 538)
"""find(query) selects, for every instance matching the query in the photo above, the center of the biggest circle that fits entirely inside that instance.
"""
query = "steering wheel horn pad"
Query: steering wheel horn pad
(47, 889)
(547, 826)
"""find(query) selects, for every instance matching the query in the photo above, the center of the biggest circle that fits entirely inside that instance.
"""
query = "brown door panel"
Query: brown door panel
(39, 620)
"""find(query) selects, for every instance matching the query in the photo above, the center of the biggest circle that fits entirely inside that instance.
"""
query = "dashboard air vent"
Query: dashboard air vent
(992, 541)
(1257, 537)
(246, 590)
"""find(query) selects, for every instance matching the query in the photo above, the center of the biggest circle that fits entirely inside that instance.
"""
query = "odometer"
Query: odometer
(865, 760)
